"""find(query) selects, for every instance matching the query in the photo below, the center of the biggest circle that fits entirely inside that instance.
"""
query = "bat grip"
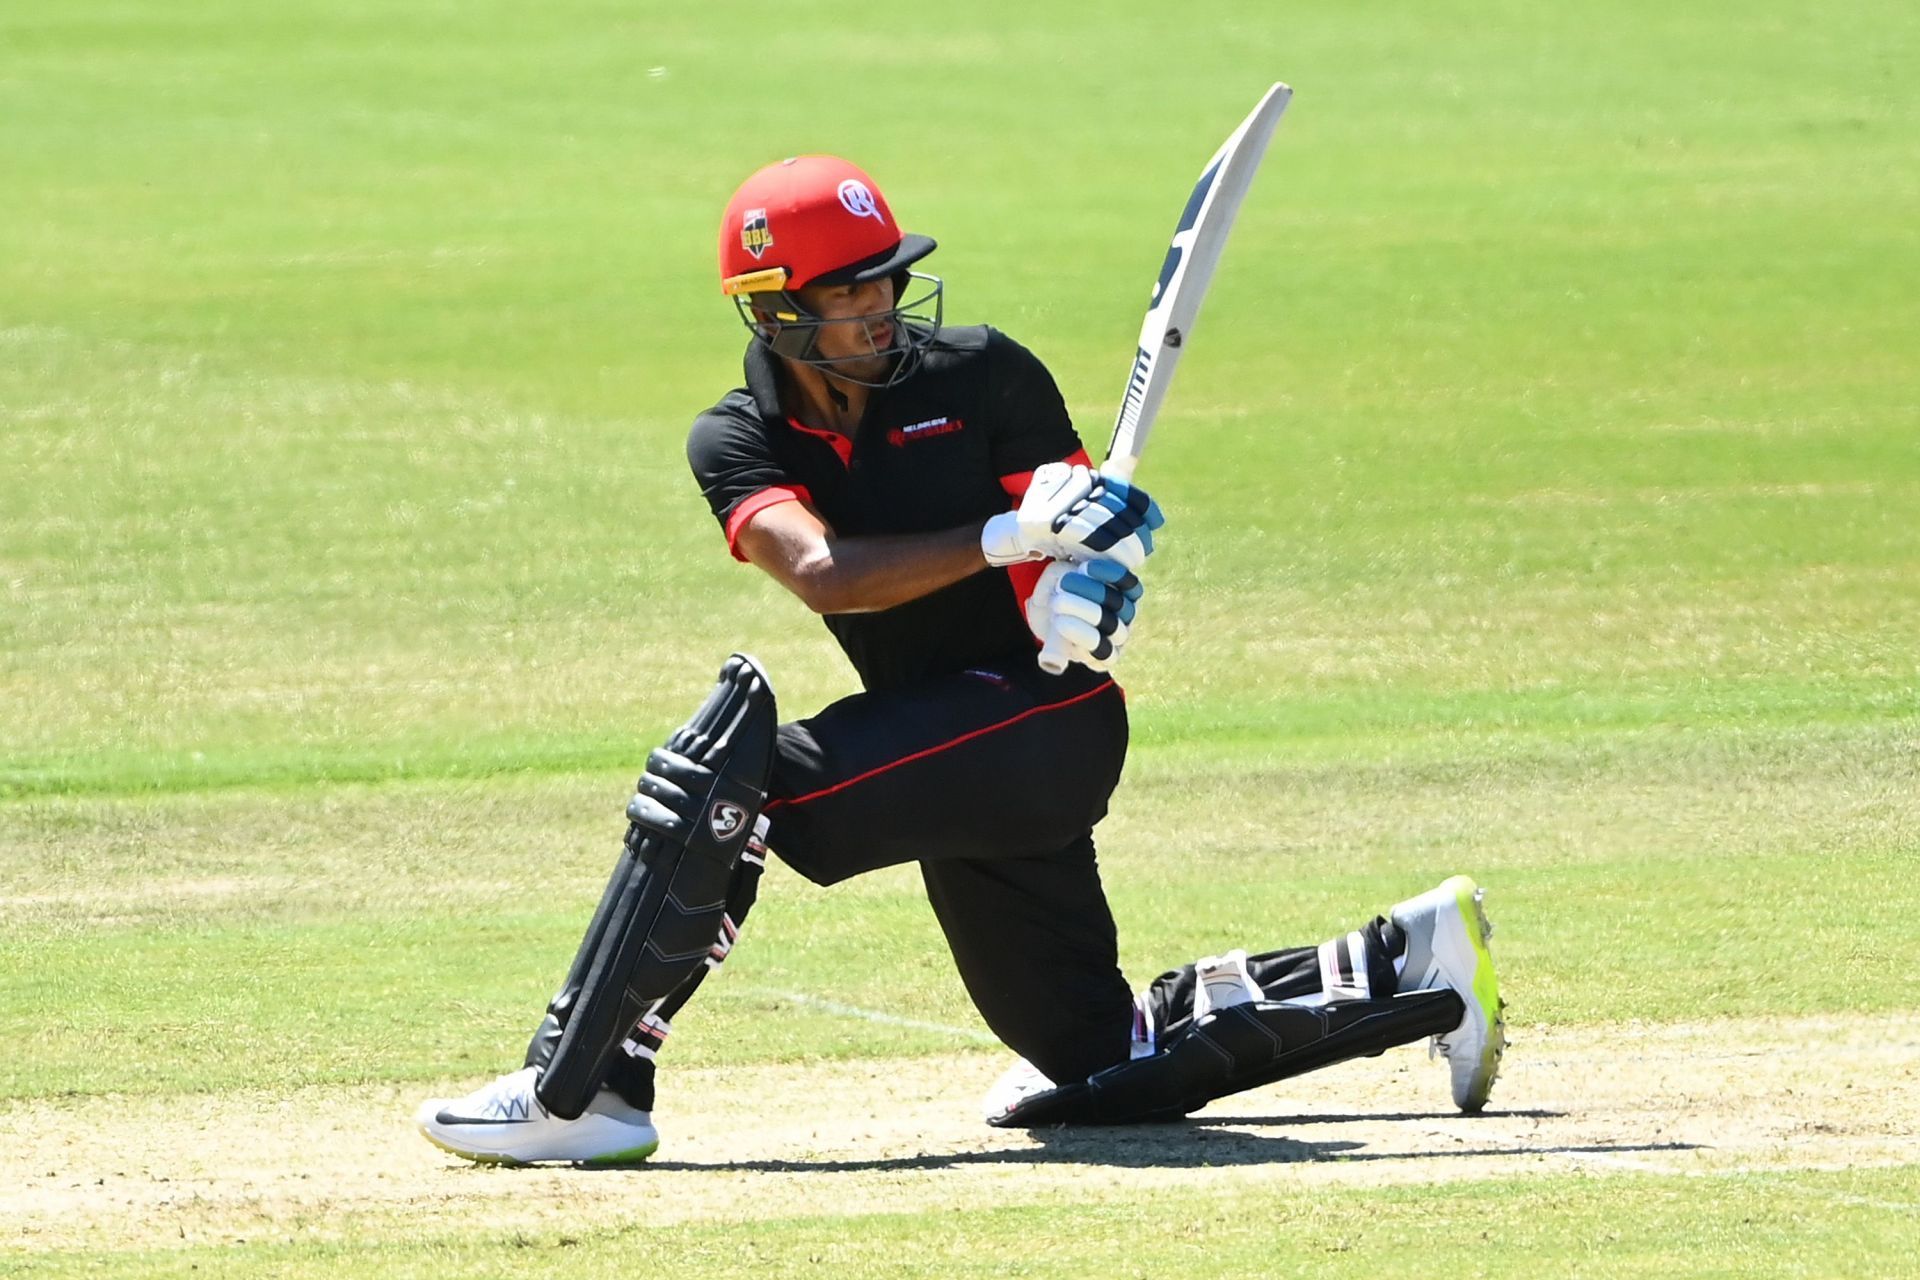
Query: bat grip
(1119, 467)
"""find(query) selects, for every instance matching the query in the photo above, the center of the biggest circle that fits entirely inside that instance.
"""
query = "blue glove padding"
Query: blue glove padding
(1108, 584)
(1135, 507)
(1115, 521)
(1084, 612)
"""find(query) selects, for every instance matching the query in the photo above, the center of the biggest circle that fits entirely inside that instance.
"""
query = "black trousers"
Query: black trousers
(992, 780)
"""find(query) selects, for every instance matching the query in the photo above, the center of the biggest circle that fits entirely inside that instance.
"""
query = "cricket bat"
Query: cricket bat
(1182, 286)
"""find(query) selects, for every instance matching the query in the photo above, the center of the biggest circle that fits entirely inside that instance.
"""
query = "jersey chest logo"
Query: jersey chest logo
(900, 437)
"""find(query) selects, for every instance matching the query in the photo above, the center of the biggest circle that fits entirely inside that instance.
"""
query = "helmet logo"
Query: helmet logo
(859, 201)
(755, 238)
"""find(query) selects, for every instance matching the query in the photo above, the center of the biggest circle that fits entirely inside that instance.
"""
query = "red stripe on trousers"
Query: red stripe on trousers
(936, 750)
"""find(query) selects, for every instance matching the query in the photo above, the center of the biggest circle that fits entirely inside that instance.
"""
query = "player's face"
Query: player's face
(859, 330)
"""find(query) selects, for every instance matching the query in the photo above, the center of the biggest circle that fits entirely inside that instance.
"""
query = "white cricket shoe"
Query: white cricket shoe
(1447, 932)
(504, 1123)
(1016, 1084)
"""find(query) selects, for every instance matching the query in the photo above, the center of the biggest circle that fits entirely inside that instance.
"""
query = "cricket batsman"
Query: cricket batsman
(922, 488)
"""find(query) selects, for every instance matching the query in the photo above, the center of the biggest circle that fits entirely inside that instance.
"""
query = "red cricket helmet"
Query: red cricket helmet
(820, 220)
(810, 220)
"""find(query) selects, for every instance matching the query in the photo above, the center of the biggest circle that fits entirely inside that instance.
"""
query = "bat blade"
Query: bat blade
(1185, 274)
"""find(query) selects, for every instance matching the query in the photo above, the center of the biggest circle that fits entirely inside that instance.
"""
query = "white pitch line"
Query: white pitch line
(888, 1019)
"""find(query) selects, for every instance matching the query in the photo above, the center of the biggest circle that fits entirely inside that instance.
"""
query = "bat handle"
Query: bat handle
(1053, 659)
(1119, 467)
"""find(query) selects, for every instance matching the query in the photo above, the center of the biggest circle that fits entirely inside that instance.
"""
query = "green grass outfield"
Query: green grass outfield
(1778, 1225)
(1544, 499)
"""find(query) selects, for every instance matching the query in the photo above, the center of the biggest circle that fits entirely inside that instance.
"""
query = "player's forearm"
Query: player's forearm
(874, 572)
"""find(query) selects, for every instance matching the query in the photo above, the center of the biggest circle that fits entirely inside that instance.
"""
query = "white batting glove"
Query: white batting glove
(1084, 612)
(1027, 533)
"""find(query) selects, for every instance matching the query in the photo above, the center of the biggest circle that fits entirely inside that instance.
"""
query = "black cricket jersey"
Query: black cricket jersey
(954, 442)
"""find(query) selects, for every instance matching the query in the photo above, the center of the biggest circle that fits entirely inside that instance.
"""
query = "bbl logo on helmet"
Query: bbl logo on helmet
(754, 236)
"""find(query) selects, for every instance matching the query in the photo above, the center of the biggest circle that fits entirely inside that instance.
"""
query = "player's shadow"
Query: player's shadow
(1398, 1117)
(1187, 1144)
(1180, 1145)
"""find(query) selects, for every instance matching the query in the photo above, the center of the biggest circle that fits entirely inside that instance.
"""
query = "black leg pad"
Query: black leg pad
(688, 822)
(1242, 1047)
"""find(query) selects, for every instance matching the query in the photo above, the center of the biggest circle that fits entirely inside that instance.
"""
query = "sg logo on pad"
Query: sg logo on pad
(726, 820)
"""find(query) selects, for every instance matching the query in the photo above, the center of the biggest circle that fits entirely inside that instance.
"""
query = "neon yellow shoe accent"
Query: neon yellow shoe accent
(1486, 990)
(632, 1156)
(613, 1159)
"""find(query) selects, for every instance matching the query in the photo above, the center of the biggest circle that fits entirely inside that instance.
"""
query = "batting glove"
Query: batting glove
(1085, 612)
(1073, 513)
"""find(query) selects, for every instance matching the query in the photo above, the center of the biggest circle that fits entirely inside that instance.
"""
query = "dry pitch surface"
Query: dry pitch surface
(1708, 1099)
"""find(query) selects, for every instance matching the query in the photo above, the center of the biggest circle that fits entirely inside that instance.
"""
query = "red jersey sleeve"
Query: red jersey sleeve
(738, 472)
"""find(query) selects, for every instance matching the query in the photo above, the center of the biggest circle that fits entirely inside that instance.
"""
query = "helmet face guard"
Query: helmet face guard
(777, 319)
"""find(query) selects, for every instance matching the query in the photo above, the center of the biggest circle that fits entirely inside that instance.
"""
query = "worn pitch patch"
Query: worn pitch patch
(754, 1143)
